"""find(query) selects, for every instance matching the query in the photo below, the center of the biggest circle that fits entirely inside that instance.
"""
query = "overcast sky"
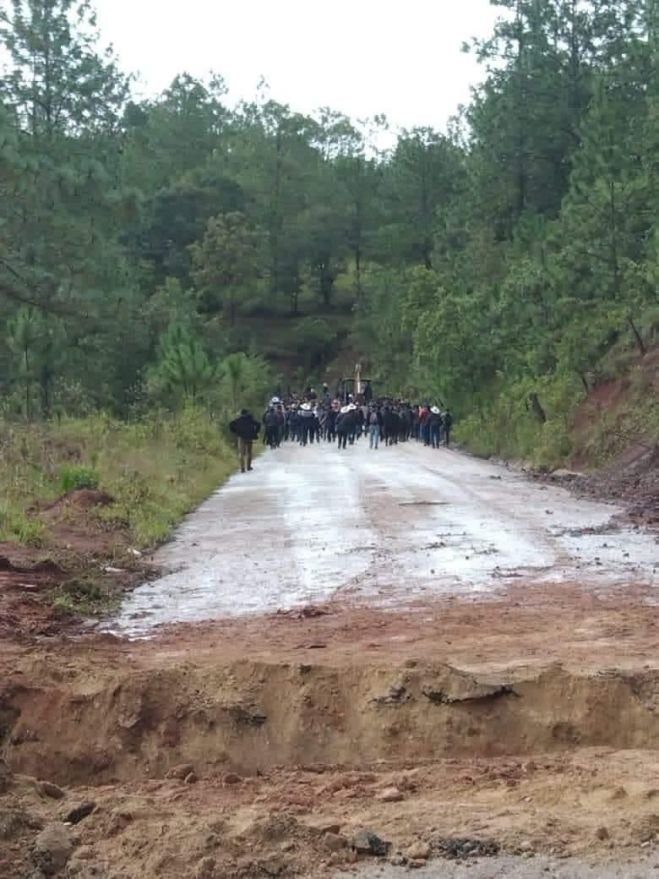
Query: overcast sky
(362, 57)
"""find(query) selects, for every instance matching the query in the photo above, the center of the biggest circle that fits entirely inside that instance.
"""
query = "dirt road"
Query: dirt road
(388, 528)
(408, 641)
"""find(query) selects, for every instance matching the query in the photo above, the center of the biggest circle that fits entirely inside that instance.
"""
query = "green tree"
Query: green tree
(225, 264)
(183, 370)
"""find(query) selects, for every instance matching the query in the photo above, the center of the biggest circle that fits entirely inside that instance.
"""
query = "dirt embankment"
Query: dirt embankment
(619, 423)
(261, 747)
(252, 717)
(256, 769)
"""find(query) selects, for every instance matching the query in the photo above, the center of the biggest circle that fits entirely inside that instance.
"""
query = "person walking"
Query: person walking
(435, 426)
(346, 425)
(271, 423)
(374, 428)
(448, 424)
(246, 428)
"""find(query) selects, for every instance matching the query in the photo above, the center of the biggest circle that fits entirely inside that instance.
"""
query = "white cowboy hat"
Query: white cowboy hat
(434, 410)
(306, 407)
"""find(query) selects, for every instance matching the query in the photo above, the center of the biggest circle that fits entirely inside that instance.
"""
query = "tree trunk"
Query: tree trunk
(536, 407)
(28, 388)
(639, 338)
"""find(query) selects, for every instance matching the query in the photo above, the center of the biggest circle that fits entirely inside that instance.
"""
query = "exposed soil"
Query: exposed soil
(79, 545)
(305, 727)
(518, 720)
(633, 474)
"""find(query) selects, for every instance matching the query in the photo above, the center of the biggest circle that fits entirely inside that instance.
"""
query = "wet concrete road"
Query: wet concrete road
(391, 527)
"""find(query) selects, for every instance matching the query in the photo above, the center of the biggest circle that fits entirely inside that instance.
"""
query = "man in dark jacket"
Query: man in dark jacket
(448, 424)
(346, 425)
(435, 425)
(247, 429)
(271, 424)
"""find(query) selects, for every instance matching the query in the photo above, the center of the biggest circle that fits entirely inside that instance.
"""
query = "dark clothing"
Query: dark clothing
(346, 427)
(435, 426)
(330, 426)
(246, 427)
(448, 424)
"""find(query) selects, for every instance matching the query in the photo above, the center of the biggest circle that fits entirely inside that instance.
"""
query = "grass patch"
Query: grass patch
(77, 477)
(86, 596)
(157, 469)
(17, 526)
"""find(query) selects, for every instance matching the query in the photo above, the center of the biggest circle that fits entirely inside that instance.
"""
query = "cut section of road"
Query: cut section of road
(391, 527)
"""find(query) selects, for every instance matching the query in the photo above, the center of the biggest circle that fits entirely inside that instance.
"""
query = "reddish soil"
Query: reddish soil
(633, 474)
(79, 544)
(297, 729)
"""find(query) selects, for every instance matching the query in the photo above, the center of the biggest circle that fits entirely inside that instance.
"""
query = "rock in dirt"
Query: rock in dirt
(52, 848)
(457, 848)
(602, 833)
(232, 778)
(191, 778)
(48, 789)
(181, 771)
(76, 815)
(563, 475)
(390, 795)
(419, 851)
(331, 827)
(365, 842)
(334, 843)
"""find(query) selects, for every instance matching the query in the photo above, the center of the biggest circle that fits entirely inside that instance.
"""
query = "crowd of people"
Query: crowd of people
(313, 418)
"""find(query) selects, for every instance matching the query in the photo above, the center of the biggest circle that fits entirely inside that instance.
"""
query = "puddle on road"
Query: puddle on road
(312, 524)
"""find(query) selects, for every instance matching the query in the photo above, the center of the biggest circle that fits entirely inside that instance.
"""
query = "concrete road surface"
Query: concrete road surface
(390, 527)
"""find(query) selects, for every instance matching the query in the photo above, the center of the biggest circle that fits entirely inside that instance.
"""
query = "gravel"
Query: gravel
(510, 867)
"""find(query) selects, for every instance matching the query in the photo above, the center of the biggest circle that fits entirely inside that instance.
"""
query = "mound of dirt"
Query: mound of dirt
(81, 499)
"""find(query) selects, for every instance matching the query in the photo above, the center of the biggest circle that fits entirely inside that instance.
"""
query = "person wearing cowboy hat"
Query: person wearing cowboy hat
(435, 425)
(346, 424)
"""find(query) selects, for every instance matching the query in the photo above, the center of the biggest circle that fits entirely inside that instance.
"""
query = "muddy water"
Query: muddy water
(391, 527)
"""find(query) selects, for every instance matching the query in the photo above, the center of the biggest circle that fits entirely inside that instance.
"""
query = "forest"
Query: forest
(156, 253)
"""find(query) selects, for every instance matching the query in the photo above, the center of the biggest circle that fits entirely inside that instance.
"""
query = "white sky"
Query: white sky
(361, 57)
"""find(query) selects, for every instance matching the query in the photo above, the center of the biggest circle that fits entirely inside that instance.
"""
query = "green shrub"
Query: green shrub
(76, 477)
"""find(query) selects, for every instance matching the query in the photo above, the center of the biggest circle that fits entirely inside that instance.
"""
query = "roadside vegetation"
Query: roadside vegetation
(153, 472)
(92, 495)
(165, 261)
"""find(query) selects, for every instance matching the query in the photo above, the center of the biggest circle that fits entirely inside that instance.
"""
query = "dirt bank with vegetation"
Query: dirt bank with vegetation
(83, 500)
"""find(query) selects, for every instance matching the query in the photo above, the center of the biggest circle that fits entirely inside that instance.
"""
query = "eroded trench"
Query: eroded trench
(250, 716)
